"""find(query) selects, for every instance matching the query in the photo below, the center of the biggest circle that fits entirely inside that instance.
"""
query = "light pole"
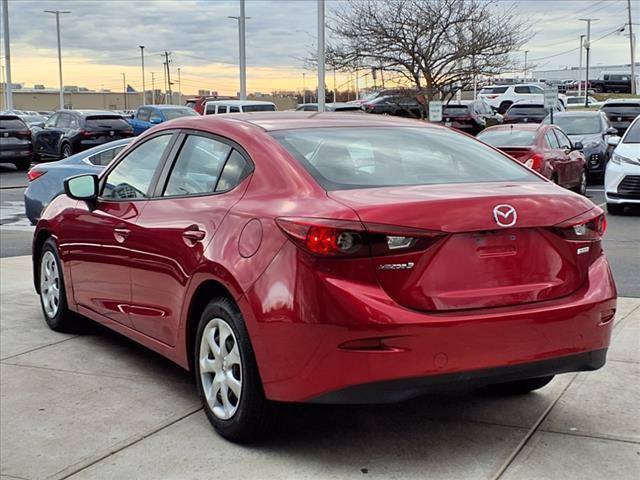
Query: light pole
(153, 88)
(632, 46)
(580, 68)
(320, 55)
(144, 91)
(179, 88)
(57, 13)
(124, 89)
(304, 89)
(7, 55)
(243, 55)
(588, 47)
(526, 52)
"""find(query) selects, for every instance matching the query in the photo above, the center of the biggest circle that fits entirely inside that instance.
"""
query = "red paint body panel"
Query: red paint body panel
(299, 309)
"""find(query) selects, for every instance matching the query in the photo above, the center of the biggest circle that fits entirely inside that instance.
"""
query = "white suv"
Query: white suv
(622, 177)
(501, 97)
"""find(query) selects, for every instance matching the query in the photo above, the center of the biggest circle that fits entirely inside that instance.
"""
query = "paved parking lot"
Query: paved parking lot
(97, 406)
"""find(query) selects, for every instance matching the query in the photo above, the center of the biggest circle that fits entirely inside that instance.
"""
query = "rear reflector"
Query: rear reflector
(34, 174)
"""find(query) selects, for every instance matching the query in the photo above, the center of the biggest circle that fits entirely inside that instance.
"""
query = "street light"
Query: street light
(144, 90)
(57, 13)
(243, 56)
(320, 55)
(7, 56)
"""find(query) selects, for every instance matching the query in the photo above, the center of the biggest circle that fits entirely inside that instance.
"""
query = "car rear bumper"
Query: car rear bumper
(318, 338)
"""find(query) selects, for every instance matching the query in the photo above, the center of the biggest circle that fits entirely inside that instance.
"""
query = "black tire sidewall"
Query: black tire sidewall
(66, 146)
(60, 321)
(249, 420)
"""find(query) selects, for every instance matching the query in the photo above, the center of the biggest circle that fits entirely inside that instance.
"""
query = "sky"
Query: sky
(100, 40)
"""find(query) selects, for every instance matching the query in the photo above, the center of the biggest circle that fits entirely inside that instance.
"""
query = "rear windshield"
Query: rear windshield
(12, 124)
(258, 108)
(527, 110)
(171, 113)
(358, 157)
(455, 110)
(508, 137)
(583, 125)
(623, 108)
(494, 89)
(100, 122)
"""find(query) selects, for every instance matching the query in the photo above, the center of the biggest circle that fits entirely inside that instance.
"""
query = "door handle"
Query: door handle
(121, 234)
(193, 235)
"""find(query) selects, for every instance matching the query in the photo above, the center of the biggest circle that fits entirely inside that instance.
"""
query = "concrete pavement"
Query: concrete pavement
(98, 406)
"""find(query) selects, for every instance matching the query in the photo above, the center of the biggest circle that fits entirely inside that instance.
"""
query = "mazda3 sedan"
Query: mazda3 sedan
(329, 258)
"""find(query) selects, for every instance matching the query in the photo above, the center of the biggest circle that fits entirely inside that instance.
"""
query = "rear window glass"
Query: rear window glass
(578, 125)
(99, 122)
(494, 89)
(171, 113)
(346, 158)
(625, 108)
(258, 108)
(12, 124)
(527, 110)
(507, 137)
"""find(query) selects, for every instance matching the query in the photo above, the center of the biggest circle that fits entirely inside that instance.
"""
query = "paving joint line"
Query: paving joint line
(37, 348)
(592, 435)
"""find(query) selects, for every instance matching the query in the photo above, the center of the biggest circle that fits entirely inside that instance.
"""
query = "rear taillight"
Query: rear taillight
(586, 227)
(491, 97)
(85, 133)
(535, 162)
(347, 239)
(23, 134)
(34, 174)
(127, 132)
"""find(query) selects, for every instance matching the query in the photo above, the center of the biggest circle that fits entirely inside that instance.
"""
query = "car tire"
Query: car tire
(598, 89)
(235, 404)
(615, 208)
(504, 106)
(519, 387)
(23, 165)
(581, 188)
(66, 151)
(52, 291)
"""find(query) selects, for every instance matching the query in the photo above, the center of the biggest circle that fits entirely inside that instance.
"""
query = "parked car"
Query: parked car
(197, 103)
(578, 102)
(15, 141)
(46, 180)
(71, 131)
(330, 107)
(237, 106)
(33, 120)
(147, 116)
(621, 112)
(592, 130)
(400, 106)
(281, 256)
(622, 178)
(470, 116)
(501, 97)
(387, 92)
(543, 148)
(525, 111)
(611, 82)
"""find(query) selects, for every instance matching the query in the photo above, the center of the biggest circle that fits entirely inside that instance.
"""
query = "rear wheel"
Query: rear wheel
(66, 151)
(226, 373)
(581, 188)
(52, 291)
(519, 387)
(615, 209)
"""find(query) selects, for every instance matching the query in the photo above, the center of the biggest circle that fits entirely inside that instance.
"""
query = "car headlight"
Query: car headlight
(619, 160)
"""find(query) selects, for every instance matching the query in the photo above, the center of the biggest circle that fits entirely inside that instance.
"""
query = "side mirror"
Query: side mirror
(155, 120)
(613, 141)
(578, 146)
(612, 131)
(82, 187)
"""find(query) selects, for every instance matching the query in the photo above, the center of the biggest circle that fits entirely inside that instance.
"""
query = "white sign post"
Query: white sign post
(435, 111)
(550, 98)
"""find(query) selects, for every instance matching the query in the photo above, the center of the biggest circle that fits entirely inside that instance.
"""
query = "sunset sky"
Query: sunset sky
(100, 40)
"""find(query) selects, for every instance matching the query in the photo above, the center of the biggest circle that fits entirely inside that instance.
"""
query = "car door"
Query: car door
(97, 249)
(47, 140)
(141, 120)
(175, 228)
(555, 156)
(574, 159)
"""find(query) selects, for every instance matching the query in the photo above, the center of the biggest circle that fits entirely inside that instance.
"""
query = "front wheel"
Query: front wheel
(66, 151)
(581, 188)
(52, 291)
(519, 387)
(226, 373)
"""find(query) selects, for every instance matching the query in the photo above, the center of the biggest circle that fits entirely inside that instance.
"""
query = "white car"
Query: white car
(501, 97)
(578, 102)
(622, 177)
(216, 107)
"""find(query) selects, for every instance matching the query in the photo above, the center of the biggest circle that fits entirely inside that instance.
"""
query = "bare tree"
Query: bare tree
(436, 46)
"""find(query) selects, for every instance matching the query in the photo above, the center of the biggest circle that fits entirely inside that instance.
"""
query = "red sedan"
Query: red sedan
(543, 148)
(331, 258)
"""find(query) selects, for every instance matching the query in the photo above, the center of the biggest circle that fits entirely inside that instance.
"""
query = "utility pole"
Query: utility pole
(304, 89)
(57, 13)
(153, 88)
(580, 69)
(179, 88)
(632, 46)
(321, 89)
(144, 91)
(124, 89)
(588, 47)
(7, 55)
(242, 50)
(526, 52)
(334, 84)
(167, 62)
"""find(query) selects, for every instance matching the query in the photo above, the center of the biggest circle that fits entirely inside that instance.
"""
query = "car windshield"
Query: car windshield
(633, 134)
(508, 137)
(358, 157)
(258, 108)
(171, 113)
(583, 125)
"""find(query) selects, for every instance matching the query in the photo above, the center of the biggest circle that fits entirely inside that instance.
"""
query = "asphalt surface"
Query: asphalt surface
(621, 243)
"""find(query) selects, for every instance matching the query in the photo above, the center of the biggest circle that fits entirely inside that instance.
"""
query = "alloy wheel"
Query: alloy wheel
(220, 368)
(49, 284)
(66, 151)
(583, 183)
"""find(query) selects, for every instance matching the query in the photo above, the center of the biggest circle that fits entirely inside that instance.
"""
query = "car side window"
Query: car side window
(104, 158)
(551, 140)
(197, 169)
(562, 139)
(51, 121)
(234, 109)
(521, 89)
(534, 89)
(210, 110)
(155, 116)
(234, 171)
(132, 176)
(73, 122)
(64, 121)
(222, 109)
(143, 114)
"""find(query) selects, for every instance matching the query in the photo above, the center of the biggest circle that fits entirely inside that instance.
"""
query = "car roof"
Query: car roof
(520, 126)
(85, 113)
(622, 100)
(9, 116)
(239, 102)
(273, 121)
(163, 106)
(579, 113)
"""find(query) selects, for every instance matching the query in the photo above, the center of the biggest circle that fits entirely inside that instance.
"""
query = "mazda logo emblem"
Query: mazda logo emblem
(505, 215)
